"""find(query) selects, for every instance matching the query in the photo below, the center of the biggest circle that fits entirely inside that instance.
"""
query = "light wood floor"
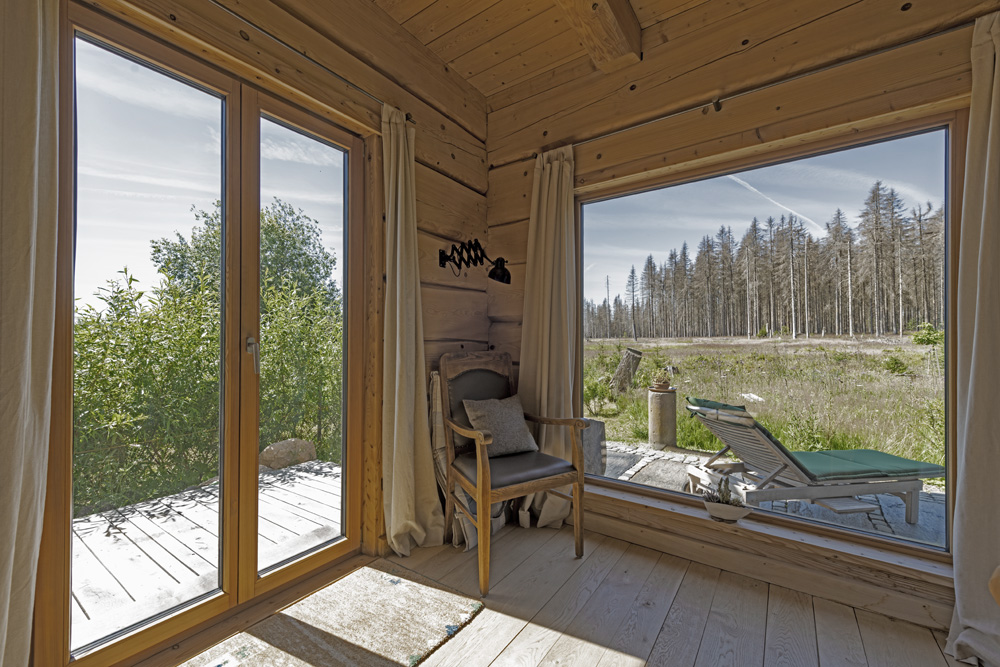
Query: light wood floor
(623, 604)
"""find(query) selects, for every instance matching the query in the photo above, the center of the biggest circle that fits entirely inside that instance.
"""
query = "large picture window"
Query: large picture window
(798, 313)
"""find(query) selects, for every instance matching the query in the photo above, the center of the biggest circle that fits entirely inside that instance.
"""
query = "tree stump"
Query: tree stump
(622, 379)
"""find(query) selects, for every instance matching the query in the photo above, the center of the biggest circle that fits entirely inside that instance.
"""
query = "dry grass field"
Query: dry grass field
(885, 393)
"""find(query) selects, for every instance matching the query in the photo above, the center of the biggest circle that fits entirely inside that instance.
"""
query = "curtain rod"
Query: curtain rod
(718, 101)
(309, 58)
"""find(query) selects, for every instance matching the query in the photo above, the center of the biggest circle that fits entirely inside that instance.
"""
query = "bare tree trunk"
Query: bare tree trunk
(899, 275)
(607, 286)
(621, 381)
(850, 293)
(805, 284)
(746, 259)
(791, 278)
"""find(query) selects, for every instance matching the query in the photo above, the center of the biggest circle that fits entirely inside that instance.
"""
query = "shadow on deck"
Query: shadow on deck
(136, 562)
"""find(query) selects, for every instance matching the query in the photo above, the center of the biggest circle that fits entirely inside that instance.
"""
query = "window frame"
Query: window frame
(237, 586)
(956, 124)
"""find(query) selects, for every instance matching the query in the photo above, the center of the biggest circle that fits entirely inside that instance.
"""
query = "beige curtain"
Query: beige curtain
(550, 336)
(413, 515)
(975, 628)
(28, 200)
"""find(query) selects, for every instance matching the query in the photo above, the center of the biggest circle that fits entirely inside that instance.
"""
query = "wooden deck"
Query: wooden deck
(136, 562)
(623, 604)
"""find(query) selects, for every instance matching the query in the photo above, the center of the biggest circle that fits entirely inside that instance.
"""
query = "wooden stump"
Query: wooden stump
(622, 379)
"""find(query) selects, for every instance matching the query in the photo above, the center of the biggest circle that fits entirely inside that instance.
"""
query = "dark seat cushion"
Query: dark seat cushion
(514, 469)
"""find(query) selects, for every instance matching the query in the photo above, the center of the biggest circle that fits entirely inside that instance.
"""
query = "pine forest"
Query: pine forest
(882, 275)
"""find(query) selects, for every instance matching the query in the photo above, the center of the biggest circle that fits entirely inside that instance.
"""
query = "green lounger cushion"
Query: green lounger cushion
(836, 465)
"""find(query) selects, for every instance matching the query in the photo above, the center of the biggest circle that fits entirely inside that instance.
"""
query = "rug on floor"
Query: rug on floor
(381, 614)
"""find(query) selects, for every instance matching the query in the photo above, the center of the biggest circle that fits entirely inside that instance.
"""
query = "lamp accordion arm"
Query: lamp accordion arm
(471, 253)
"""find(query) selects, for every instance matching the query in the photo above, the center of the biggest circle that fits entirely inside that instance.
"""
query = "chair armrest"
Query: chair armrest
(558, 421)
(485, 437)
(575, 442)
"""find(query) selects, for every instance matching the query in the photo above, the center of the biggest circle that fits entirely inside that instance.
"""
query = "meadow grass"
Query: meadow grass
(817, 393)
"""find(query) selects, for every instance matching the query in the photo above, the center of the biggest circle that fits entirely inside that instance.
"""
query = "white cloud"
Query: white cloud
(166, 182)
(113, 76)
(301, 152)
(751, 188)
(294, 197)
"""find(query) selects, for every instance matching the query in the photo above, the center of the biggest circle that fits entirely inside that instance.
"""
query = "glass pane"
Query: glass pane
(147, 337)
(810, 292)
(301, 353)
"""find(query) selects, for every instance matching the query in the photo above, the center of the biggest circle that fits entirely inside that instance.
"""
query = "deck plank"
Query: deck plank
(182, 529)
(147, 558)
(197, 561)
(302, 506)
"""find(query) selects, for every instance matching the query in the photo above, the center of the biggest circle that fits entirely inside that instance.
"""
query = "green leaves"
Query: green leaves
(148, 369)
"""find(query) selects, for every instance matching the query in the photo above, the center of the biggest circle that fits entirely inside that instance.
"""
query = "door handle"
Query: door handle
(253, 347)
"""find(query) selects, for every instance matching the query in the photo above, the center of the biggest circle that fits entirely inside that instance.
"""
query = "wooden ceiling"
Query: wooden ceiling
(495, 44)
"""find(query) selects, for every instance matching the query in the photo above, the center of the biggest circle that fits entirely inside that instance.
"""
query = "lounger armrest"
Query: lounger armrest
(484, 437)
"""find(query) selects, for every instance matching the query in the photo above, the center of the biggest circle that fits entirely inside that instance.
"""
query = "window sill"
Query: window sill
(900, 581)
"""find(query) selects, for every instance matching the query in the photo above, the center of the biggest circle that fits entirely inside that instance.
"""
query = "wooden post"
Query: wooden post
(662, 417)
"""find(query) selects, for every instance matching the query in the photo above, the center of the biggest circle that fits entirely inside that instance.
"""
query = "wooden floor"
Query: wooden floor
(623, 604)
(135, 562)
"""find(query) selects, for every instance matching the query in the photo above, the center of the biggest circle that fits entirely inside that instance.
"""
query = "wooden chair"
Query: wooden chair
(484, 375)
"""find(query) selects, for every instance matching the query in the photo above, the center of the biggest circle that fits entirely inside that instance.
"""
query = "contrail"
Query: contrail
(751, 188)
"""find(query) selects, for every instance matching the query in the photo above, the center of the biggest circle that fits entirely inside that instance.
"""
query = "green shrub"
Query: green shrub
(895, 365)
(928, 334)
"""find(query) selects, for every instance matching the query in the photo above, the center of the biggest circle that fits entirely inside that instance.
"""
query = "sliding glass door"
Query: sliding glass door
(215, 402)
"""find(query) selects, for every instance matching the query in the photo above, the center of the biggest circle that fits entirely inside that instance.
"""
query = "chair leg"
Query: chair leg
(578, 517)
(449, 508)
(484, 530)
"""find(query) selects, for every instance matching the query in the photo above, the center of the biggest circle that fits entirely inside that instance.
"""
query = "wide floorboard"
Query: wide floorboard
(626, 605)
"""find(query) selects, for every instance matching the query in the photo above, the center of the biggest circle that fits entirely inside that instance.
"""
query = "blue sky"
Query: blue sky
(149, 149)
(624, 231)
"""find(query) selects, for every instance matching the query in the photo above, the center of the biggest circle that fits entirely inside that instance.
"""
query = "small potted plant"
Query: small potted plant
(722, 505)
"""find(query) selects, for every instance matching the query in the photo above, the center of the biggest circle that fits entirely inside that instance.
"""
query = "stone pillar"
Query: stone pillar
(662, 417)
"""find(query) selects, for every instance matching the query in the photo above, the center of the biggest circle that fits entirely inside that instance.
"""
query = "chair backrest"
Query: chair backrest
(752, 445)
(475, 376)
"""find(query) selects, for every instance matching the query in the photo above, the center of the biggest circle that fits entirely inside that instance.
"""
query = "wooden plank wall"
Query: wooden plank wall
(861, 70)
(328, 62)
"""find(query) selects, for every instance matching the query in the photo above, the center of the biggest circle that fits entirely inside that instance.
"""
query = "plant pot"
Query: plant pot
(726, 513)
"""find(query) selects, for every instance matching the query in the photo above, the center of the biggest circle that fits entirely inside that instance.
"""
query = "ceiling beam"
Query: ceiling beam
(608, 29)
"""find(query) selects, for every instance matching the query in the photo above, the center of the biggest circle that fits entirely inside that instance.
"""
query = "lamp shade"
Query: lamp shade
(500, 272)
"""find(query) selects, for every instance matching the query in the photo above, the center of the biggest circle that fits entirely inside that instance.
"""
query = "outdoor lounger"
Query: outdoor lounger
(767, 471)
